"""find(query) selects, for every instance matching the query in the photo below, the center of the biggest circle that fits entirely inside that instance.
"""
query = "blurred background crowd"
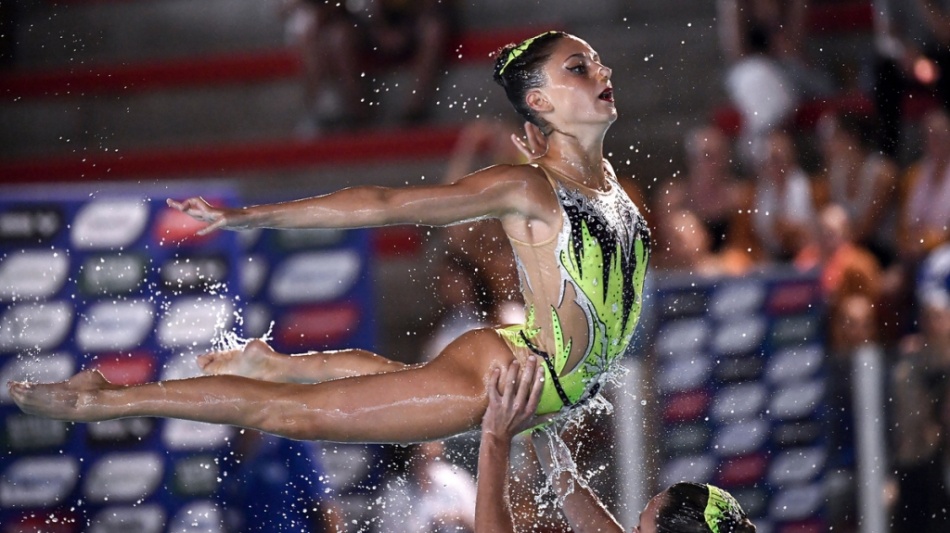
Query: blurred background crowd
(807, 135)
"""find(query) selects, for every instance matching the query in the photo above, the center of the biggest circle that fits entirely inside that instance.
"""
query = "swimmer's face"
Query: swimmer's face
(578, 88)
(648, 515)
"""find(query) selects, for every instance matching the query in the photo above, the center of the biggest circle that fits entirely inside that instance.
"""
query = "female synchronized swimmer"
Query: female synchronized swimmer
(581, 246)
(513, 396)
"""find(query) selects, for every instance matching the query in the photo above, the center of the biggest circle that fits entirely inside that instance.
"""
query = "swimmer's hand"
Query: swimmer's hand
(216, 217)
(534, 145)
(513, 398)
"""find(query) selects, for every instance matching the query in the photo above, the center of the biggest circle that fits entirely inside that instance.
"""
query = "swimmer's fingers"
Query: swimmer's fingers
(216, 225)
(537, 142)
(522, 147)
(528, 376)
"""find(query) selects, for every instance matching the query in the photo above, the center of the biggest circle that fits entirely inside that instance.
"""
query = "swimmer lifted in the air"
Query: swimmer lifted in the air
(581, 246)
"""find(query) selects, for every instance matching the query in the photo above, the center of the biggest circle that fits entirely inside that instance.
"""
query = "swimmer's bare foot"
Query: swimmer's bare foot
(74, 399)
(256, 361)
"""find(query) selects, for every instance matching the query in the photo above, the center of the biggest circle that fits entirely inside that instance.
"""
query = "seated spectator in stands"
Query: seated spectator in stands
(333, 42)
(681, 244)
(435, 496)
(925, 217)
(860, 180)
(466, 300)
(711, 189)
(912, 42)
(782, 207)
(921, 393)
(763, 41)
(844, 268)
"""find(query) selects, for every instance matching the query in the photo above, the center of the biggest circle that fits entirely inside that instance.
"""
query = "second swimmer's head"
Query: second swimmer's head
(520, 68)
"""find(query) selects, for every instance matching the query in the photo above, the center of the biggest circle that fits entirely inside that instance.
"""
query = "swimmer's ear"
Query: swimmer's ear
(538, 101)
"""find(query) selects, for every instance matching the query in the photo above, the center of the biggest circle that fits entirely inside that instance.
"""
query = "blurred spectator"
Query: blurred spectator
(922, 418)
(853, 326)
(682, 244)
(783, 205)
(860, 180)
(711, 189)
(334, 42)
(913, 48)
(844, 267)
(435, 497)
(278, 485)
(763, 41)
(466, 298)
(926, 210)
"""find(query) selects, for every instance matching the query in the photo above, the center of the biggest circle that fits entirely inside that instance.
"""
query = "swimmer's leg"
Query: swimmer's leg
(257, 360)
(422, 402)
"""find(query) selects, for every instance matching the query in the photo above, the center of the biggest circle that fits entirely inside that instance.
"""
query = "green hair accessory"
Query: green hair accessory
(520, 49)
(720, 505)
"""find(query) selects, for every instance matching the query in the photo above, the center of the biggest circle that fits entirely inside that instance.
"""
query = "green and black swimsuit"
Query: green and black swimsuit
(585, 305)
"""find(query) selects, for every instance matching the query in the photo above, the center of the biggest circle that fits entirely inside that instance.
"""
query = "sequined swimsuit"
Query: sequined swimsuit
(588, 306)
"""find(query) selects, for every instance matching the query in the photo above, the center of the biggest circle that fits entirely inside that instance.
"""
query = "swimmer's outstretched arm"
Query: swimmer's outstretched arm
(496, 192)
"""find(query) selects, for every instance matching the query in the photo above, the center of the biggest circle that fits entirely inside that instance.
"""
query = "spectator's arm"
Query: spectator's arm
(730, 29)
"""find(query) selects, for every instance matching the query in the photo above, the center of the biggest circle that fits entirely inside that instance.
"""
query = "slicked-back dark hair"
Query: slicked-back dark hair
(683, 511)
(524, 72)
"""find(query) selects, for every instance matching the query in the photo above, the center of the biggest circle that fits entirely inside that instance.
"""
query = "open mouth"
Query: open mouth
(607, 95)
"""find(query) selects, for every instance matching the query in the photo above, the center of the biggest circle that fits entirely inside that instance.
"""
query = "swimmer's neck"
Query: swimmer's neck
(578, 156)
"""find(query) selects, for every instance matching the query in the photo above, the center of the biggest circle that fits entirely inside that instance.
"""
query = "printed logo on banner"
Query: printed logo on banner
(310, 238)
(738, 369)
(697, 468)
(797, 466)
(683, 303)
(737, 299)
(30, 274)
(30, 225)
(739, 402)
(797, 400)
(682, 439)
(741, 438)
(315, 276)
(148, 518)
(196, 476)
(795, 330)
(253, 275)
(793, 297)
(112, 274)
(197, 517)
(110, 223)
(36, 369)
(797, 503)
(684, 373)
(740, 336)
(795, 363)
(314, 325)
(123, 477)
(126, 369)
(686, 406)
(194, 320)
(181, 435)
(115, 325)
(121, 432)
(798, 433)
(746, 470)
(32, 433)
(38, 481)
(682, 337)
(193, 274)
(35, 326)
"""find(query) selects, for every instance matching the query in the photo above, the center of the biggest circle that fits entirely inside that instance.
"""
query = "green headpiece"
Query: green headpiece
(721, 504)
(520, 49)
